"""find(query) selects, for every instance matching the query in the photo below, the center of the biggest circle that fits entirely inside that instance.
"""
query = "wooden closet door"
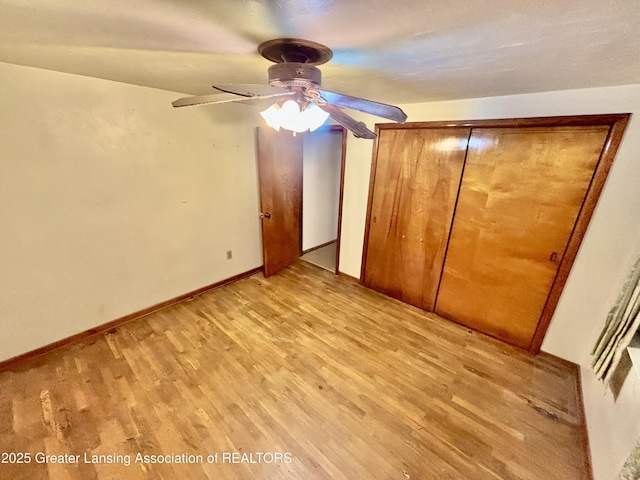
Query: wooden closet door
(520, 195)
(415, 180)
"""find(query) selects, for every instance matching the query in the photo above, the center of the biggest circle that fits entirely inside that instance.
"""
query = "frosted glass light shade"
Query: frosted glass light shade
(272, 116)
(314, 116)
(289, 117)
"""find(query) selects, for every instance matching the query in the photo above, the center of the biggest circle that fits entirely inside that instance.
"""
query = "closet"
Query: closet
(480, 221)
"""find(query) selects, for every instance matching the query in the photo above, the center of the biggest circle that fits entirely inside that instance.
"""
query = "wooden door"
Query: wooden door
(520, 195)
(280, 179)
(415, 180)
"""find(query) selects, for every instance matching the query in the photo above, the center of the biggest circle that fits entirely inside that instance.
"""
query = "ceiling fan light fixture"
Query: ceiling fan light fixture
(291, 117)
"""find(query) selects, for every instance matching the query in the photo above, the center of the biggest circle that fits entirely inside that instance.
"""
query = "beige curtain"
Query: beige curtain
(610, 352)
(631, 468)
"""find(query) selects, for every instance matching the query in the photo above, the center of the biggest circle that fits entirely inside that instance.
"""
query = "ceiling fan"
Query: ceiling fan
(294, 76)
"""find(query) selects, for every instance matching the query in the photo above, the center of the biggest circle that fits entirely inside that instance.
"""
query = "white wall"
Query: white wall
(112, 201)
(322, 159)
(600, 267)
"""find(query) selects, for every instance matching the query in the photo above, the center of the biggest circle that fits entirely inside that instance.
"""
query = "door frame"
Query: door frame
(343, 155)
(617, 124)
(331, 128)
(343, 161)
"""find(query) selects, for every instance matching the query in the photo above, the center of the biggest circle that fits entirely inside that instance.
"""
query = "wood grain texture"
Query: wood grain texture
(520, 196)
(618, 125)
(280, 179)
(416, 179)
(556, 121)
(352, 383)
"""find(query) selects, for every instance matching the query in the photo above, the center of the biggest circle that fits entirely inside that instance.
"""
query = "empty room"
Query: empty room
(269, 239)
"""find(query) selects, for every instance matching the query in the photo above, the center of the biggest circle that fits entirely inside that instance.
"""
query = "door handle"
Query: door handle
(265, 215)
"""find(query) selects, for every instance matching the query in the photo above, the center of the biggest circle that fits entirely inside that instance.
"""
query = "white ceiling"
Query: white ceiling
(398, 51)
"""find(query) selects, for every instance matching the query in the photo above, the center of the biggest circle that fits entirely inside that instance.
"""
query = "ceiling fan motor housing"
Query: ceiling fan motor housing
(294, 74)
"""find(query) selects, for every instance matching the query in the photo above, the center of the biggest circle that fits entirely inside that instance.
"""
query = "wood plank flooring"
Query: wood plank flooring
(310, 376)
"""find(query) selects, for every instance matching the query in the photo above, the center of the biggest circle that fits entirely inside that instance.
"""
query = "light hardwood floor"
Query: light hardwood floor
(352, 384)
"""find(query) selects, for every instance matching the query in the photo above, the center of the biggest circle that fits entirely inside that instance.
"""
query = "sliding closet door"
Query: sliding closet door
(415, 180)
(520, 195)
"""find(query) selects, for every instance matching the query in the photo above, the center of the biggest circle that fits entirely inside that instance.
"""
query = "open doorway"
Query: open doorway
(323, 160)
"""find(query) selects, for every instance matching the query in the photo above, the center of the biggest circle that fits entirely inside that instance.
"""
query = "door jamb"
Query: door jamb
(338, 128)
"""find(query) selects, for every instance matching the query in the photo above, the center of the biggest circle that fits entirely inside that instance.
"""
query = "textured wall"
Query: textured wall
(112, 201)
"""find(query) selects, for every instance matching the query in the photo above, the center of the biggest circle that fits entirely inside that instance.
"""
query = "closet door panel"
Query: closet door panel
(520, 195)
(416, 180)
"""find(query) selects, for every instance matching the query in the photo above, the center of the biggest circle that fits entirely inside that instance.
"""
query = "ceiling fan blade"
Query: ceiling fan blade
(207, 99)
(383, 110)
(254, 90)
(226, 97)
(359, 129)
